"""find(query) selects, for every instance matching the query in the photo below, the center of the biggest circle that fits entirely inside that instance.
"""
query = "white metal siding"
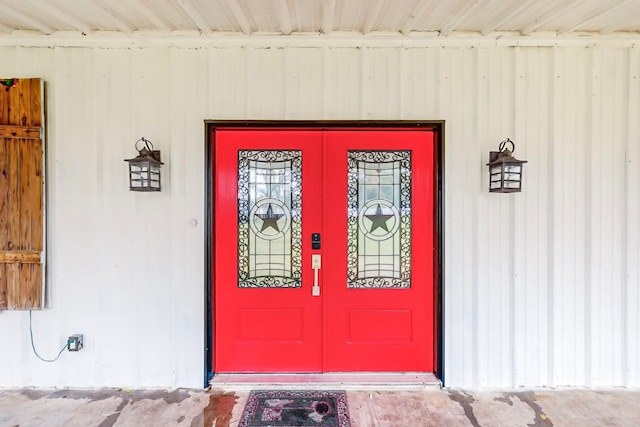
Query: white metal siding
(541, 288)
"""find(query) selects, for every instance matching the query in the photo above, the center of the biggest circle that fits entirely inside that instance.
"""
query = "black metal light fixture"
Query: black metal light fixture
(144, 169)
(505, 171)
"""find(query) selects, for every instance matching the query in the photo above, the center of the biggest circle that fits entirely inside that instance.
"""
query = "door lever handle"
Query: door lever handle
(315, 264)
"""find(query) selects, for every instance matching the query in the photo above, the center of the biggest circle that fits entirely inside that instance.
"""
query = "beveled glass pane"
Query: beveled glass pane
(379, 219)
(269, 218)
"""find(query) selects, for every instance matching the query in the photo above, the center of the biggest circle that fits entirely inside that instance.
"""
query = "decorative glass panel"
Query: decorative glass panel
(269, 219)
(379, 219)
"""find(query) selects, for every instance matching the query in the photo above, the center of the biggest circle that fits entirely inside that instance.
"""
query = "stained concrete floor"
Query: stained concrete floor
(222, 408)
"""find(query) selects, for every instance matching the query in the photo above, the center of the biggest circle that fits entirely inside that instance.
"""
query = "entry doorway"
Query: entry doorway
(324, 250)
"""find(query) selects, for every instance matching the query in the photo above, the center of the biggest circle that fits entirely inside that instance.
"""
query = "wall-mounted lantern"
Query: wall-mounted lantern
(505, 171)
(144, 169)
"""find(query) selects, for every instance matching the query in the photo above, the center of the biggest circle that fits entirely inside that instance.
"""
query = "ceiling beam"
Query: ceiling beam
(418, 13)
(194, 15)
(549, 16)
(618, 24)
(5, 29)
(505, 19)
(459, 17)
(599, 14)
(240, 16)
(107, 12)
(146, 9)
(373, 16)
(19, 16)
(328, 14)
(59, 13)
(284, 17)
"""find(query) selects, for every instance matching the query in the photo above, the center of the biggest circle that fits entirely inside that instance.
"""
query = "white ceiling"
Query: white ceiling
(321, 16)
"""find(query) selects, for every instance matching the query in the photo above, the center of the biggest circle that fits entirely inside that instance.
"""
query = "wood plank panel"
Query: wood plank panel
(4, 193)
(22, 298)
(30, 222)
(21, 196)
(36, 163)
(13, 285)
(28, 294)
(37, 280)
(36, 104)
(4, 215)
(24, 102)
(14, 105)
(22, 105)
(29, 257)
(24, 286)
(13, 131)
(13, 196)
(3, 287)
(26, 208)
(19, 295)
(4, 106)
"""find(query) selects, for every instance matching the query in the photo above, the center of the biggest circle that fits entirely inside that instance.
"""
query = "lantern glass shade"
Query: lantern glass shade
(505, 172)
(144, 177)
(145, 171)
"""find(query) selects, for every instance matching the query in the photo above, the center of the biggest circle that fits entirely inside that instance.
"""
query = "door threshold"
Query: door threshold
(365, 381)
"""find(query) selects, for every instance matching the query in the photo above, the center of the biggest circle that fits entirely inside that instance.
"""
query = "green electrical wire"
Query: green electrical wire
(34, 347)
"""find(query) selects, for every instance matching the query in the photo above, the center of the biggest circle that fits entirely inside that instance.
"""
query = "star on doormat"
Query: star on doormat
(291, 408)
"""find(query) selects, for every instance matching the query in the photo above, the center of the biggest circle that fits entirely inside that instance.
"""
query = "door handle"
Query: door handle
(315, 264)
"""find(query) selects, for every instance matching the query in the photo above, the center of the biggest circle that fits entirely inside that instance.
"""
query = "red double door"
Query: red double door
(324, 250)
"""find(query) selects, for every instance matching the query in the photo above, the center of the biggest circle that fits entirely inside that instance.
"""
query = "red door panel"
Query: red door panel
(264, 329)
(379, 329)
(370, 196)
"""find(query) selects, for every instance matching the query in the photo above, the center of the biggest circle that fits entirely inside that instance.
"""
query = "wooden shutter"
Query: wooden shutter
(21, 196)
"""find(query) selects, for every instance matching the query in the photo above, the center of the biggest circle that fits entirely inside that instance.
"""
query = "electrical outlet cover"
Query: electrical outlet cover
(75, 342)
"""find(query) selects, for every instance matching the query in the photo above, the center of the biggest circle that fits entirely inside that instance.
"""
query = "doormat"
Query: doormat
(289, 408)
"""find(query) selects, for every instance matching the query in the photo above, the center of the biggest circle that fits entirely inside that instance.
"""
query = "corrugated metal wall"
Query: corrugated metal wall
(541, 288)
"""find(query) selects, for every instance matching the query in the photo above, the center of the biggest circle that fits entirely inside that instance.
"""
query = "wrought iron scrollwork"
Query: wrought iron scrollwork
(401, 276)
(247, 278)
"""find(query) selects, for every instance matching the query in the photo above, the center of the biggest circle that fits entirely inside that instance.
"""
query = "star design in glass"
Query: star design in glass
(378, 220)
(270, 219)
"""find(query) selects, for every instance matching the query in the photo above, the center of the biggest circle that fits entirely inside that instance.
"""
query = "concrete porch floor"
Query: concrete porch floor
(368, 408)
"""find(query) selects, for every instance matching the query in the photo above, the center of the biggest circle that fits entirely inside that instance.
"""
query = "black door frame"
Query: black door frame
(211, 125)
